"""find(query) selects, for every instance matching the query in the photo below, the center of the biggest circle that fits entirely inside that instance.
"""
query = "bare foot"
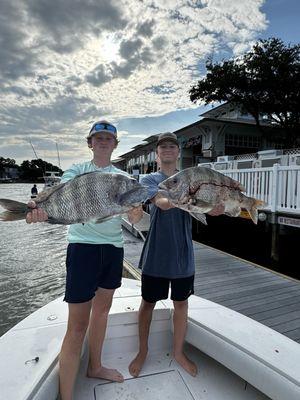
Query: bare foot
(105, 373)
(187, 364)
(136, 364)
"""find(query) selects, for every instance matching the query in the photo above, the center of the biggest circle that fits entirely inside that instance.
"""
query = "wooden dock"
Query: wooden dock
(259, 293)
(139, 229)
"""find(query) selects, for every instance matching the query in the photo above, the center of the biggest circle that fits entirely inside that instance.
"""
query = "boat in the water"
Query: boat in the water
(51, 179)
(237, 358)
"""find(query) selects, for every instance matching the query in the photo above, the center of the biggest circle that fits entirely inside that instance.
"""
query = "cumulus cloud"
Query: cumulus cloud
(66, 63)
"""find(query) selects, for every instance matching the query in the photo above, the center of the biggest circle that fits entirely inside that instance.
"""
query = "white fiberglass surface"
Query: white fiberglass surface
(166, 385)
(162, 378)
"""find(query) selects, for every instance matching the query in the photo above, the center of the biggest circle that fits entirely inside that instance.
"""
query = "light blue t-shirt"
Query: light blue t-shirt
(168, 249)
(107, 232)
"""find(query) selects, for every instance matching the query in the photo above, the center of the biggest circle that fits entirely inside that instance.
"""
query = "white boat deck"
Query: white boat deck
(163, 379)
(238, 358)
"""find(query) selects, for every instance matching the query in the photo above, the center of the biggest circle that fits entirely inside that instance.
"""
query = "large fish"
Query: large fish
(200, 190)
(93, 196)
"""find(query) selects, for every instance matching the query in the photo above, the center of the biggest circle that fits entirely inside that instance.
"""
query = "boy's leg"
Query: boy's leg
(180, 325)
(69, 358)
(145, 318)
(97, 328)
(182, 288)
(153, 289)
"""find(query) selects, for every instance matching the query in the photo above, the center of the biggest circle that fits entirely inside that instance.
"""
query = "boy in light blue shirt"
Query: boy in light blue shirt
(94, 270)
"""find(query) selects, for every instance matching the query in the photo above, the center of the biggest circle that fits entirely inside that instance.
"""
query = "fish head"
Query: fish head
(128, 191)
(178, 187)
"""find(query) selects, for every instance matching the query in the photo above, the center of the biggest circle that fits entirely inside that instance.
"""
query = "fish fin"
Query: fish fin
(234, 212)
(205, 207)
(253, 209)
(12, 216)
(56, 221)
(42, 196)
(238, 185)
(199, 217)
(15, 210)
(13, 206)
(99, 220)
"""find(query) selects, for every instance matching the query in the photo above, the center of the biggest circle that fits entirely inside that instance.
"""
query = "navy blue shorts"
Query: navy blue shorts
(156, 288)
(90, 266)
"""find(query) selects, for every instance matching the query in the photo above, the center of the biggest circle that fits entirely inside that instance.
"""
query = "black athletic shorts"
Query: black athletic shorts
(90, 266)
(156, 288)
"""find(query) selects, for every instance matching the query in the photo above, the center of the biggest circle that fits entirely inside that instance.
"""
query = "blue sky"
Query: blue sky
(64, 64)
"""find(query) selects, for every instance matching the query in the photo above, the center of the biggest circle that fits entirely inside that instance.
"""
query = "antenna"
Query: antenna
(58, 154)
(36, 156)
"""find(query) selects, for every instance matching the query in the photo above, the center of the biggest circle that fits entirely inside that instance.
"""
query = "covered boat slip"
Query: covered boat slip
(254, 291)
(237, 357)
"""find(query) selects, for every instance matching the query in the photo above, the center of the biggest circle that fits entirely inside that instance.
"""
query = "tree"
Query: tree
(264, 82)
(35, 169)
(7, 163)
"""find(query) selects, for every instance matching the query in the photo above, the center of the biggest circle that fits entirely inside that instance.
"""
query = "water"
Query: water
(32, 262)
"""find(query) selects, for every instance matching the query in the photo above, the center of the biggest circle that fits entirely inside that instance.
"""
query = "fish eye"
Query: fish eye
(175, 180)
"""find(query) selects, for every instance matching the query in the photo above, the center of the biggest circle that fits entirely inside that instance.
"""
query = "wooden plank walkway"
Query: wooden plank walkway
(261, 294)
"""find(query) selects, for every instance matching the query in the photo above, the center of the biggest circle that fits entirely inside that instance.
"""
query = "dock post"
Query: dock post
(274, 240)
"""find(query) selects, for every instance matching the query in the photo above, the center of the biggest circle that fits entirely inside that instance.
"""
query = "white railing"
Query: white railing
(277, 186)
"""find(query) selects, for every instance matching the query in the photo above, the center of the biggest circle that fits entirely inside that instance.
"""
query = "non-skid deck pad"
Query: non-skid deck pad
(167, 385)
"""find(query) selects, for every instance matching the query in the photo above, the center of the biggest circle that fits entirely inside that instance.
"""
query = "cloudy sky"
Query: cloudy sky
(67, 63)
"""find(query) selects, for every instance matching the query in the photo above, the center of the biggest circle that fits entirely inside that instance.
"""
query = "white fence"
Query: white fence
(277, 186)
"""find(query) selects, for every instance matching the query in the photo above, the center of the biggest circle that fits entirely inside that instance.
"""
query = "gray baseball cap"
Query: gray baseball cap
(167, 137)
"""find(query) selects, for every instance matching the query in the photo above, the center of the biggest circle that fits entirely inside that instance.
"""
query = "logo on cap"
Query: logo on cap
(103, 126)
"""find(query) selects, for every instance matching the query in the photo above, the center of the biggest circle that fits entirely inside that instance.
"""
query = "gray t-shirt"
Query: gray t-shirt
(168, 249)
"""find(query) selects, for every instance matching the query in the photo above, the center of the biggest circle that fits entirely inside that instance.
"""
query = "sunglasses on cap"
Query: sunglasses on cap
(103, 127)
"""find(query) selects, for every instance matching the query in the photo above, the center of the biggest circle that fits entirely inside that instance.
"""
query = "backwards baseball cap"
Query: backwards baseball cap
(103, 126)
(167, 137)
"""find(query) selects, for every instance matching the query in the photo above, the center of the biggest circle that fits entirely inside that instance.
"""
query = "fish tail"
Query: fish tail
(253, 209)
(15, 210)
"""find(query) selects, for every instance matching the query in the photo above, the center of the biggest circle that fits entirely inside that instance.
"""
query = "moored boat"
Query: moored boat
(237, 358)
(51, 179)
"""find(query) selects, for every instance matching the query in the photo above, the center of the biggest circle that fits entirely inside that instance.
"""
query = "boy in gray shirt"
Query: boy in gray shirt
(167, 259)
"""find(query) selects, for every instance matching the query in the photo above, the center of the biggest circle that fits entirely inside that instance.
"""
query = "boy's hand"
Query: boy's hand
(135, 215)
(161, 200)
(36, 215)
